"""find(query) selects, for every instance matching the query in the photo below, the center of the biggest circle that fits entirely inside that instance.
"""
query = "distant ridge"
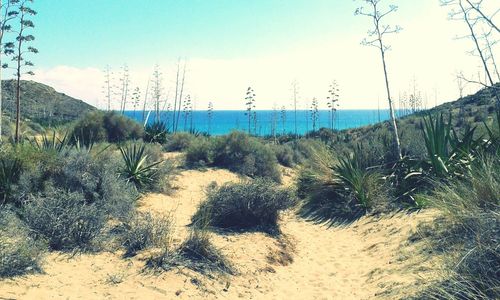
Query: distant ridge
(42, 103)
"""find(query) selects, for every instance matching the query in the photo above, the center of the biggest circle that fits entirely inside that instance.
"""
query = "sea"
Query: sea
(221, 122)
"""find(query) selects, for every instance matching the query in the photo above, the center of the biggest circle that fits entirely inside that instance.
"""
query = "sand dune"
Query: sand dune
(370, 259)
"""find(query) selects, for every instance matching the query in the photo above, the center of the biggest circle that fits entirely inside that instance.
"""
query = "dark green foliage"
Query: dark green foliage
(65, 219)
(144, 230)
(156, 132)
(200, 153)
(137, 170)
(339, 192)
(106, 127)
(250, 205)
(19, 252)
(179, 141)
(284, 154)
(245, 155)
(10, 171)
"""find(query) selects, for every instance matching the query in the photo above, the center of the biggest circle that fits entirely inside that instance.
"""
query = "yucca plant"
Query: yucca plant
(137, 170)
(156, 132)
(10, 170)
(51, 143)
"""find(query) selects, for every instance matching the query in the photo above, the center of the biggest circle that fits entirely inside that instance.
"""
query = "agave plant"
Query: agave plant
(10, 170)
(137, 170)
(156, 132)
(51, 143)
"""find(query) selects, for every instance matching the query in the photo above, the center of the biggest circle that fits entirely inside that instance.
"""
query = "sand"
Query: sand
(369, 259)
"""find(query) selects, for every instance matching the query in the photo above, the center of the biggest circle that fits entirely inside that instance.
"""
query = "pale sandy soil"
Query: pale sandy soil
(370, 259)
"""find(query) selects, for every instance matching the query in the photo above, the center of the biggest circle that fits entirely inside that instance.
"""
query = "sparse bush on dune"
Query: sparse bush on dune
(144, 231)
(19, 252)
(468, 234)
(237, 152)
(200, 153)
(246, 155)
(241, 206)
(65, 219)
(284, 154)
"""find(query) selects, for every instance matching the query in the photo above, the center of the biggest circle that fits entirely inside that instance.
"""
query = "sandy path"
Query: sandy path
(366, 260)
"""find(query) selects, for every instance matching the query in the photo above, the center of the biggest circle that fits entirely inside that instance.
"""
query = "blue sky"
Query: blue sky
(230, 44)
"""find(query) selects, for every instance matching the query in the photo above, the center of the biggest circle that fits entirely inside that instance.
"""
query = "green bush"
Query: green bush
(179, 141)
(284, 154)
(110, 127)
(200, 153)
(65, 219)
(246, 155)
(144, 231)
(255, 204)
(19, 252)
(94, 176)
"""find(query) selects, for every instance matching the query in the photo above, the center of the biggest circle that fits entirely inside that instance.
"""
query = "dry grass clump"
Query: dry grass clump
(19, 252)
(468, 234)
(196, 253)
(145, 231)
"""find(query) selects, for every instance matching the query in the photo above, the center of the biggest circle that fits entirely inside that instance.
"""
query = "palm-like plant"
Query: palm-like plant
(10, 170)
(156, 132)
(137, 170)
(51, 143)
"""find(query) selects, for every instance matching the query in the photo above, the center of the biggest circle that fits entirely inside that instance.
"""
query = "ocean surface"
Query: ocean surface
(225, 121)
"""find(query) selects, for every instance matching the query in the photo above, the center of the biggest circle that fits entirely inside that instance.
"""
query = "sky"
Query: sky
(229, 45)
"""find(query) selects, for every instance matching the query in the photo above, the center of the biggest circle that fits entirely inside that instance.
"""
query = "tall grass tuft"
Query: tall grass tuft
(469, 233)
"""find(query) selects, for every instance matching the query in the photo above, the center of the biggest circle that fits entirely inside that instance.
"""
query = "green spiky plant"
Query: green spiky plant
(10, 170)
(51, 142)
(136, 169)
(156, 132)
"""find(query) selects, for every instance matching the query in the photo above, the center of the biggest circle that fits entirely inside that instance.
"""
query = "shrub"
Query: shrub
(200, 153)
(284, 154)
(95, 177)
(246, 155)
(65, 219)
(109, 126)
(199, 254)
(19, 253)
(468, 234)
(338, 192)
(144, 231)
(179, 141)
(156, 132)
(196, 253)
(255, 204)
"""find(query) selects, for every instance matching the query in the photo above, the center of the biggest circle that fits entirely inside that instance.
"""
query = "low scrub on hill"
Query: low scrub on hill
(106, 127)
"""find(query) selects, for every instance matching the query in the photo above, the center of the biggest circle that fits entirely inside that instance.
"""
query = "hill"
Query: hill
(469, 111)
(41, 103)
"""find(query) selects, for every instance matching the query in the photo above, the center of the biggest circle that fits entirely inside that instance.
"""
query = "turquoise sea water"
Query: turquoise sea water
(224, 121)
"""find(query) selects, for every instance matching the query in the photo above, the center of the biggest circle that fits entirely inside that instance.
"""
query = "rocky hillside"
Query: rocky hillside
(41, 103)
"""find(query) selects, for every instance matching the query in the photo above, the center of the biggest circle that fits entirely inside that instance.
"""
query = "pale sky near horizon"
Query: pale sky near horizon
(232, 44)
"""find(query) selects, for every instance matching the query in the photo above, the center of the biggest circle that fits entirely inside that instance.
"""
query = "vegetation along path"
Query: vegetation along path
(368, 259)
